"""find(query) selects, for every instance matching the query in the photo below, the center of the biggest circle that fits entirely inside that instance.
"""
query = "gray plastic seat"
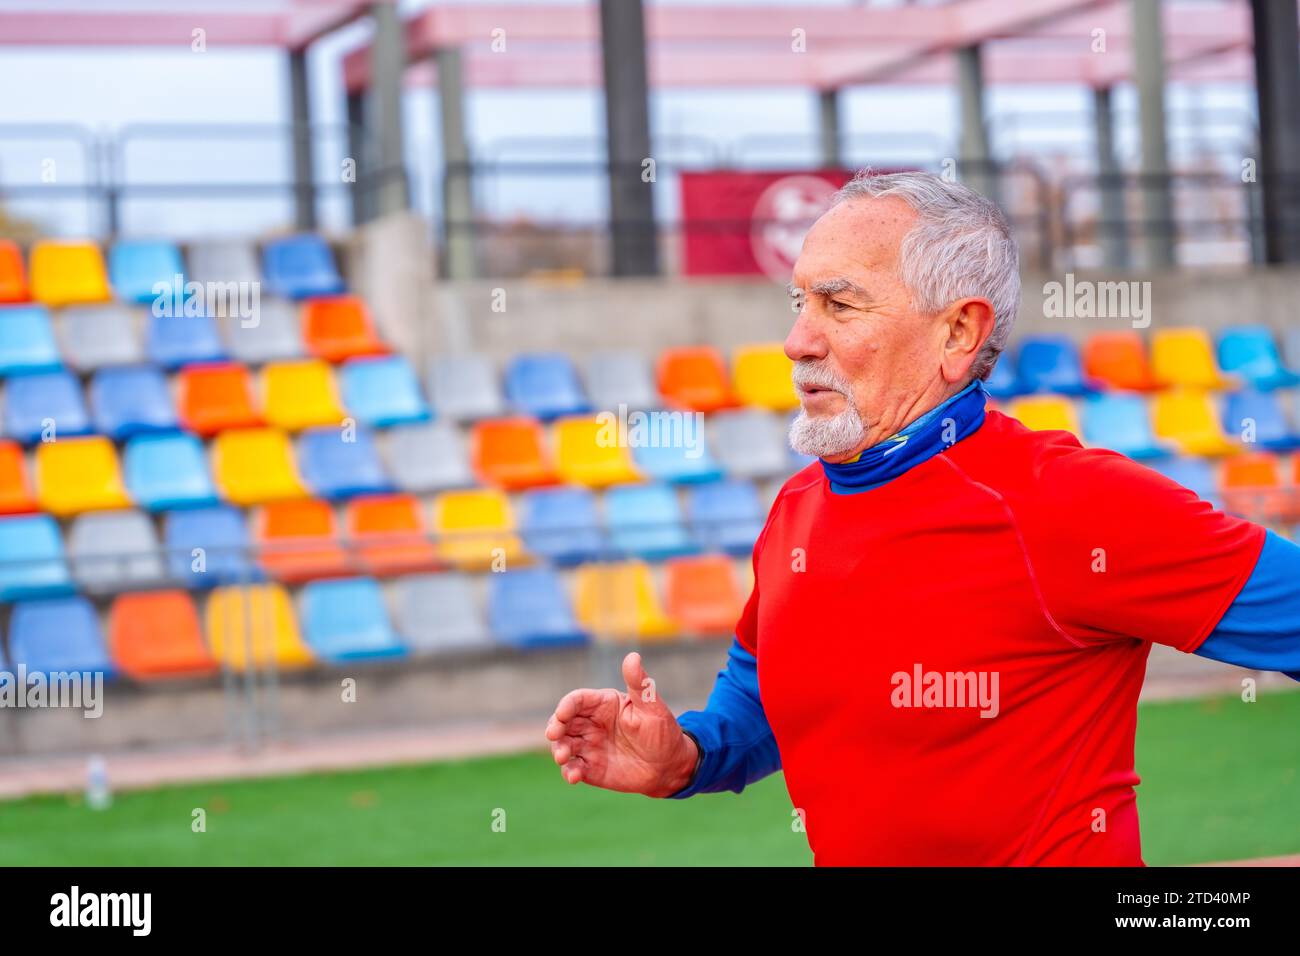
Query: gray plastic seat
(621, 378)
(439, 612)
(96, 336)
(429, 456)
(276, 336)
(111, 550)
(465, 387)
(749, 443)
(222, 260)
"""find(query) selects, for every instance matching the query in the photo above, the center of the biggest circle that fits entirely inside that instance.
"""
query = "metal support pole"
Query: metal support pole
(457, 184)
(976, 160)
(384, 110)
(1112, 225)
(828, 127)
(1277, 82)
(304, 191)
(1158, 227)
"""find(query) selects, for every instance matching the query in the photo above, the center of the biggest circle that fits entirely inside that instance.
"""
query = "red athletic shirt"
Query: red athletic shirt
(1014, 557)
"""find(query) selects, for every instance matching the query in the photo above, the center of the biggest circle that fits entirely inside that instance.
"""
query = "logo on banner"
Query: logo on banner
(781, 218)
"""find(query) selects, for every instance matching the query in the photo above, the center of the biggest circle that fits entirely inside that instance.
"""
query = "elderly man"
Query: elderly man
(951, 614)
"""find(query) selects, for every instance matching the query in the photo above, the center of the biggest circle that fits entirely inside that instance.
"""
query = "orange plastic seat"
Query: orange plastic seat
(511, 453)
(338, 327)
(1251, 486)
(1118, 359)
(156, 634)
(212, 398)
(695, 378)
(13, 276)
(15, 490)
(702, 594)
(298, 540)
(388, 534)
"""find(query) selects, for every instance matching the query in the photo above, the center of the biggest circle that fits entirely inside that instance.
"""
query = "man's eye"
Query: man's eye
(839, 306)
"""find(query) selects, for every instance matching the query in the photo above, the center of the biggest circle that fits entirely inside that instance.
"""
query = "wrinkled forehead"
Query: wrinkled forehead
(860, 237)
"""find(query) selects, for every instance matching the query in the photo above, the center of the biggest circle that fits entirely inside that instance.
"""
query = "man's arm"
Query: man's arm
(736, 745)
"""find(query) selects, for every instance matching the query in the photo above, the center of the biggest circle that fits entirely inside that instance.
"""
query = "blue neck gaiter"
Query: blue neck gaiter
(937, 430)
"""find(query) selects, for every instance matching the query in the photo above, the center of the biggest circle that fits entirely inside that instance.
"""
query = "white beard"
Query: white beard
(832, 437)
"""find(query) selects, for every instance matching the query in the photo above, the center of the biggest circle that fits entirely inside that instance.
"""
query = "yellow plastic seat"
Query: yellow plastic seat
(476, 529)
(1185, 357)
(68, 273)
(253, 466)
(1186, 416)
(762, 376)
(1046, 413)
(589, 452)
(619, 602)
(79, 474)
(300, 395)
(274, 628)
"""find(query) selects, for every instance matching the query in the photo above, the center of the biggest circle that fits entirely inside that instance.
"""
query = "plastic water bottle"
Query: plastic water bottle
(98, 794)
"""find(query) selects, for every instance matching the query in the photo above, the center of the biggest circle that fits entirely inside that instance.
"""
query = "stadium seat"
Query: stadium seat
(213, 398)
(618, 602)
(682, 454)
(438, 612)
(273, 335)
(645, 521)
(67, 273)
(511, 453)
(168, 471)
(1291, 346)
(1122, 423)
(45, 406)
(529, 609)
(620, 378)
(79, 474)
(544, 385)
(1251, 486)
(132, 400)
(15, 489)
(749, 443)
(762, 374)
(1045, 413)
(223, 261)
(465, 388)
(97, 336)
(389, 534)
(208, 546)
(175, 340)
(561, 525)
(155, 635)
(298, 540)
(261, 615)
(1257, 418)
(1050, 363)
(1118, 360)
(298, 395)
(1185, 357)
(114, 551)
(339, 327)
(27, 340)
(1196, 474)
(694, 378)
(1250, 353)
(58, 634)
(426, 457)
(136, 266)
(476, 529)
(337, 463)
(1002, 381)
(13, 274)
(725, 516)
(255, 465)
(1187, 418)
(345, 620)
(588, 452)
(382, 391)
(300, 266)
(32, 560)
(702, 594)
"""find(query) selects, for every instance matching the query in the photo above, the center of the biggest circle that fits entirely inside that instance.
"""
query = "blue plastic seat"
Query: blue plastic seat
(168, 471)
(44, 400)
(32, 559)
(544, 385)
(725, 516)
(382, 391)
(1122, 423)
(176, 340)
(1249, 351)
(345, 620)
(1003, 382)
(1051, 363)
(561, 524)
(673, 460)
(131, 401)
(1196, 474)
(335, 468)
(300, 266)
(1258, 420)
(27, 340)
(219, 535)
(646, 521)
(136, 266)
(529, 608)
(58, 634)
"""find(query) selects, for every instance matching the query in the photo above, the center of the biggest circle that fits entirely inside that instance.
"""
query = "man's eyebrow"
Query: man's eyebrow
(836, 287)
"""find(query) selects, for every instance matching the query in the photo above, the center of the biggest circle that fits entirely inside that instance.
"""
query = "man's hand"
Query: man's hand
(629, 742)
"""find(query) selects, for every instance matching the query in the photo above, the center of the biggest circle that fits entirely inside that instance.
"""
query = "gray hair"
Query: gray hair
(960, 246)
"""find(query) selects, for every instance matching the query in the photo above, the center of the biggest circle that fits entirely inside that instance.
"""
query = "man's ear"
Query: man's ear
(969, 324)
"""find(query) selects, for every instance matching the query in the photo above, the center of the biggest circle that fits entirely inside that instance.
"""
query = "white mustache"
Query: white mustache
(812, 375)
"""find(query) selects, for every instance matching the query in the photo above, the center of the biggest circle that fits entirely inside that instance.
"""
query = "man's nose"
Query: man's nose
(804, 340)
